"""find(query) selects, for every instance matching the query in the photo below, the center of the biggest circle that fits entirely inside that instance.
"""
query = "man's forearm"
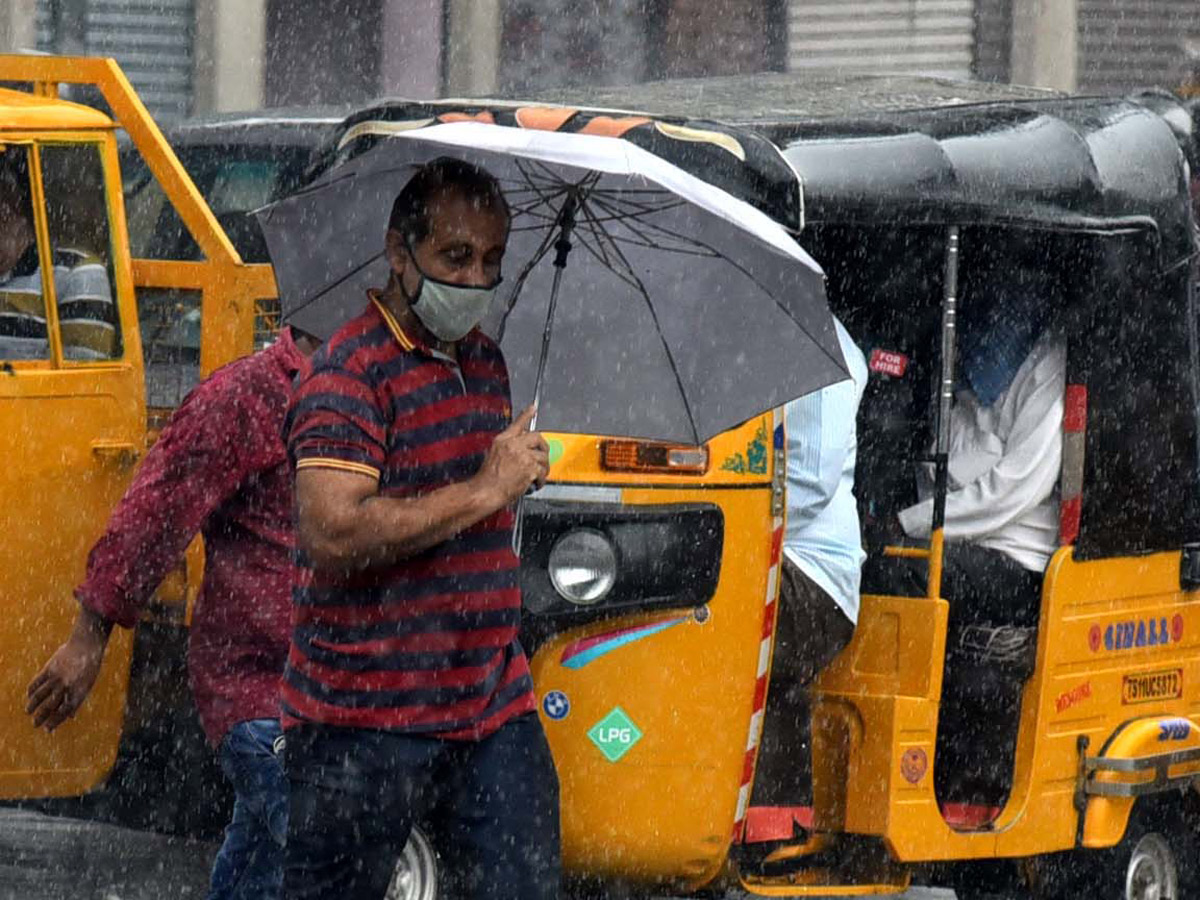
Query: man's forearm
(91, 625)
(381, 530)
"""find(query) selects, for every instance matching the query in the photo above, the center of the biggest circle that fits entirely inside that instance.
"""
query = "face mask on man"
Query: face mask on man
(449, 310)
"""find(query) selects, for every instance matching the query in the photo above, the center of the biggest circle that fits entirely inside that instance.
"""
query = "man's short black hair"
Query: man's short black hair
(410, 211)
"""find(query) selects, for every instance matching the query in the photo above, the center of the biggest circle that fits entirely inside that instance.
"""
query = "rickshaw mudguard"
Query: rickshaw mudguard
(653, 716)
(1145, 756)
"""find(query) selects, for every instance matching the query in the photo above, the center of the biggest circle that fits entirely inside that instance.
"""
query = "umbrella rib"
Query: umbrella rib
(629, 279)
(744, 271)
(641, 289)
(715, 255)
(537, 257)
(597, 232)
(618, 198)
(641, 239)
(647, 241)
(335, 284)
(600, 252)
(605, 203)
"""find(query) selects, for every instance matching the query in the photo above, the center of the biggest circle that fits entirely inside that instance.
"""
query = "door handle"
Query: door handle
(121, 453)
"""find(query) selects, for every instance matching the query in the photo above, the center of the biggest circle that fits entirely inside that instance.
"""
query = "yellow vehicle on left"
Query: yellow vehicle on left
(73, 415)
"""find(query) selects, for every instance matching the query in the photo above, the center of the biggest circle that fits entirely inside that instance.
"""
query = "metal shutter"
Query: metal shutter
(993, 40)
(1126, 44)
(151, 39)
(932, 37)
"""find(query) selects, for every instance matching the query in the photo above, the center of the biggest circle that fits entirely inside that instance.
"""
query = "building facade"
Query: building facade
(189, 56)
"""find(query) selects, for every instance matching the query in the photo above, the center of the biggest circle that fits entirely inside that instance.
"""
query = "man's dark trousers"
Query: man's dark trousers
(491, 807)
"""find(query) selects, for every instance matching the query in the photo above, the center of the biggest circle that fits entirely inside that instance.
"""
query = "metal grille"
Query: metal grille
(1125, 44)
(931, 37)
(151, 39)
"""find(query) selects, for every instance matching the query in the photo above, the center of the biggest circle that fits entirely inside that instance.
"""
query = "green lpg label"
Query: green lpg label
(615, 734)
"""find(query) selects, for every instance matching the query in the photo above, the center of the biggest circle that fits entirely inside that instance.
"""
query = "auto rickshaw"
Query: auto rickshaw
(654, 672)
(1081, 737)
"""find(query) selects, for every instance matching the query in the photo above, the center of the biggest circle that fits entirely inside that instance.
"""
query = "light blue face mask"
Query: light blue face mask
(448, 310)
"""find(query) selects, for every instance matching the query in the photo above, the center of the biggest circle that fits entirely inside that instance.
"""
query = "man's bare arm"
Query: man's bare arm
(62, 685)
(343, 523)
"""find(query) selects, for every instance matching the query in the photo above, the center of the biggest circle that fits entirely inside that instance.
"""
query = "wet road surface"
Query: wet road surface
(55, 858)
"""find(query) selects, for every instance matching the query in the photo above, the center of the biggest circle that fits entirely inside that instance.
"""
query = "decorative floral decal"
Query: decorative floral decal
(754, 462)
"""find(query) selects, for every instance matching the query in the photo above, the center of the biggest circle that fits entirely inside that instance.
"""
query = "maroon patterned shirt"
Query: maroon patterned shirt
(220, 469)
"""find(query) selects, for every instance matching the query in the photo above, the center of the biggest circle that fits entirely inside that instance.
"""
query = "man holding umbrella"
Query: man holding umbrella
(406, 693)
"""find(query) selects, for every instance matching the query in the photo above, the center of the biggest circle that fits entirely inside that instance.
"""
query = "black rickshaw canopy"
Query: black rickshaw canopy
(897, 148)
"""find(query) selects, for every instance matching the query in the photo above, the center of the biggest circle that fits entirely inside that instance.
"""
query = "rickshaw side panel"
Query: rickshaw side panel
(881, 696)
(1124, 644)
(665, 808)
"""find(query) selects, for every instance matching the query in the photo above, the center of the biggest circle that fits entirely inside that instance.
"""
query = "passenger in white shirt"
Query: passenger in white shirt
(822, 543)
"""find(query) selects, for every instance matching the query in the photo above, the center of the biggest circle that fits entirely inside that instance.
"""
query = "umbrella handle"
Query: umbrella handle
(518, 524)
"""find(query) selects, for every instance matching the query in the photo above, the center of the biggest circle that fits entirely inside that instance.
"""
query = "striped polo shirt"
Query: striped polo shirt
(427, 645)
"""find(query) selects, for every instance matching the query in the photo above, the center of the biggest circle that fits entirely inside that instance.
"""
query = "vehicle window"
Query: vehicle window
(145, 204)
(242, 186)
(170, 322)
(81, 251)
(23, 334)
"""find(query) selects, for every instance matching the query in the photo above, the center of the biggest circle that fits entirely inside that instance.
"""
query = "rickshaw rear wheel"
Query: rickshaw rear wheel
(1155, 860)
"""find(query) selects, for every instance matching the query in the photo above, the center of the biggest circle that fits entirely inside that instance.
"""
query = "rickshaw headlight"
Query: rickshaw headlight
(583, 566)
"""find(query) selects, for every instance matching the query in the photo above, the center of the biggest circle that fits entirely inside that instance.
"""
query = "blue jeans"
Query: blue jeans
(490, 806)
(249, 865)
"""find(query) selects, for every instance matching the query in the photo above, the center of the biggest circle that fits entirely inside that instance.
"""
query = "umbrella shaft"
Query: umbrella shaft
(562, 246)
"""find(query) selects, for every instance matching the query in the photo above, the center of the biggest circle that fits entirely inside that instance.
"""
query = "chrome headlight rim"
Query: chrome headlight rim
(607, 580)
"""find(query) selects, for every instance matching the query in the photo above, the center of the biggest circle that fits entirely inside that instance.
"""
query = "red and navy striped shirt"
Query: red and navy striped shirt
(427, 645)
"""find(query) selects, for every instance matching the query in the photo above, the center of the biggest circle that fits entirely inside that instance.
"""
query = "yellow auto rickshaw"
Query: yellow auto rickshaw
(1060, 751)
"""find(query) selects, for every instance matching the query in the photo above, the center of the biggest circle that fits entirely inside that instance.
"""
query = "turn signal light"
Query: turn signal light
(652, 457)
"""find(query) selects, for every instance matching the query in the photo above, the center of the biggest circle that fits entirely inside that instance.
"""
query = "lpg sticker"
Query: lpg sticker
(556, 705)
(1136, 633)
(1075, 695)
(1174, 729)
(615, 734)
(1147, 687)
(914, 764)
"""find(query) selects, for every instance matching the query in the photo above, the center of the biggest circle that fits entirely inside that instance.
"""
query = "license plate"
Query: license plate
(1146, 687)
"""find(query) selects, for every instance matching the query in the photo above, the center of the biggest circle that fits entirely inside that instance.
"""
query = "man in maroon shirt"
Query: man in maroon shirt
(219, 469)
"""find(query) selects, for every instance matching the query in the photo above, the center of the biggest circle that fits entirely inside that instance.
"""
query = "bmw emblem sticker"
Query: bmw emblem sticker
(555, 705)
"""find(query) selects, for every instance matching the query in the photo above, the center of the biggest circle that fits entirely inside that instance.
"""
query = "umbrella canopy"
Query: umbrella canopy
(678, 312)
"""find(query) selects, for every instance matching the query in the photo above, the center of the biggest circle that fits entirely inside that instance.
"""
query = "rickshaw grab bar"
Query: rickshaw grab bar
(1160, 763)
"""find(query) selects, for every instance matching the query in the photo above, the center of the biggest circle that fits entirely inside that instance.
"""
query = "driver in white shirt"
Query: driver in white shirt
(1005, 457)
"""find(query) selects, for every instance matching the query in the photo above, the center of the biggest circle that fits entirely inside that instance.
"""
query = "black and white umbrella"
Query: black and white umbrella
(638, 300)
